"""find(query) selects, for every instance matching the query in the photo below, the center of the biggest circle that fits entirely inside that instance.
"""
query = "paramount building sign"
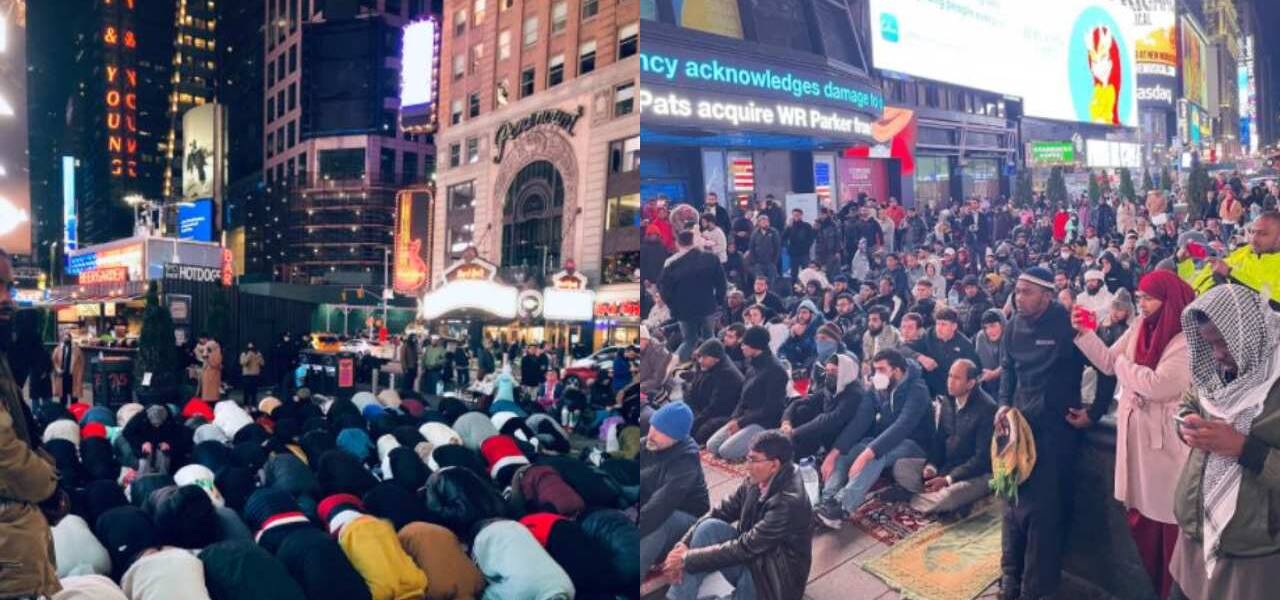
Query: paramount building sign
(511, 130)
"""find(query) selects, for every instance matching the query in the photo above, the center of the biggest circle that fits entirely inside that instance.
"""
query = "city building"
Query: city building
(241, 47)
(194, 78)
(1222, 27)
(49, 90)
(333, 156)
(539, 147)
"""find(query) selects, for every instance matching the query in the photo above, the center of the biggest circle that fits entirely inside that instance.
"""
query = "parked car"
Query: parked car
(582, 371)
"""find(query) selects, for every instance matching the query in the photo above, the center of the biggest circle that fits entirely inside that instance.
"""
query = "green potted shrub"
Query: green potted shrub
(157, 354)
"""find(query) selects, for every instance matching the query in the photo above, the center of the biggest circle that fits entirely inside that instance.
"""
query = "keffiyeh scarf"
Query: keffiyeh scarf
(1251, 331)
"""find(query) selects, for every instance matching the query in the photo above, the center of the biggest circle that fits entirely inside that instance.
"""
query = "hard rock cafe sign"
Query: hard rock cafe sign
(569, 278)
(511, 130)
(471, 268)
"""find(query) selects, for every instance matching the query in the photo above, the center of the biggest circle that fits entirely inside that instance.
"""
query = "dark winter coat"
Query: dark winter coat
(715, 392)
(962, 443)
(887, 419)
(763, 393)
(798, 238)
(693, 285)
(315, 561)
(244, 571)
(671, 480)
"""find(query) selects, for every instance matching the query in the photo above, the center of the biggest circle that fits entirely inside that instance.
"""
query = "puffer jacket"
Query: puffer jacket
(26, 543)
(374, 550)
(892, 417)
(774, 541)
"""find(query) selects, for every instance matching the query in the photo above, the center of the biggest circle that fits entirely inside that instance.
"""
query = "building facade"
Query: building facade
(332, 154)
(194, 79)
(539, 143)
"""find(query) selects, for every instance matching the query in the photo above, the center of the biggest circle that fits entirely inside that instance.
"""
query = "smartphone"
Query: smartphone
(1182, 420)
(1196, 251)
(1088, 319)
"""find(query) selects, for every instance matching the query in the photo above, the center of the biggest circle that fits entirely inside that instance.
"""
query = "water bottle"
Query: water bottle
(809, 475)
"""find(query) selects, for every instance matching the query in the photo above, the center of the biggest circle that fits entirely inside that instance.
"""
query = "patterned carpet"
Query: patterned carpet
(888, 522)
(724, 466)
(957, 561)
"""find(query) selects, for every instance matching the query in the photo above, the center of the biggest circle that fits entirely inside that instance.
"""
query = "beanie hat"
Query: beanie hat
(230, 418)
(389, 398)
(756, 337)
(1038, 276)
(126, 412)
(501, 452)
(78, 409)
(99, 414)
(196, 407)
(457, 456)
(712, 348)
(1093, 275)
(674, 420)
(540, 525)
(62, 429)
(1122, 299)
(333, 505)
(413, 407)
(210, 433)
(992, 315)
(372, 411)
(93, 430)
(184, 516)
(355, 442)
(831, 330)
(269, 404)
(266, 503)
(201, 477)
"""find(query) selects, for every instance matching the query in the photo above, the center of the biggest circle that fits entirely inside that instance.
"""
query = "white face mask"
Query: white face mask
(880, 381)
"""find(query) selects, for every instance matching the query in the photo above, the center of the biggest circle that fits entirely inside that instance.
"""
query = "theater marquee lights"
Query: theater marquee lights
(121, 96)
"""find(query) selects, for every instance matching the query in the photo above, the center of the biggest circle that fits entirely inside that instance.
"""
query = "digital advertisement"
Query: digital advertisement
(203, 143)
(1195, 67)
(1069, 60)
(692, 108)
(15, 191)
(195, 220)
(1156, 51)
(419, 66)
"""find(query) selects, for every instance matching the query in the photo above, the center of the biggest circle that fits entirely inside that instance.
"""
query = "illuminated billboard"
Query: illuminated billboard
(15, 188)
(1068, 60)
(195, 220)
(203, 147)
(419, 65)
(119, 45)
(412, 260)
(1195, 65)
(1156, 52)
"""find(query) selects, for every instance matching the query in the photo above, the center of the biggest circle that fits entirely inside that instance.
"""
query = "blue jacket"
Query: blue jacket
(891, 417)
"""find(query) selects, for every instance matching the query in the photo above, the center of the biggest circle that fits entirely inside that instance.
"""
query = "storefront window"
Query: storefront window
(981, 178)
(932, 179)
(342, 164)
(781, 23)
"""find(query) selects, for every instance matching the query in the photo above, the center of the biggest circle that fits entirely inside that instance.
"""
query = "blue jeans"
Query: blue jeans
(733, 447)
(709, 533)
(692, 332)
(851, 492)
(655, 546)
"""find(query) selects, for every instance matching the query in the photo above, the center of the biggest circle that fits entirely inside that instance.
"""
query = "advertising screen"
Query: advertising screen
(1156, 52)
(15, 189)
(412, 251)
(419, 62)
(1195, 66)
(195, 220)
(203, 142)
(1069, 60)
(70, 222)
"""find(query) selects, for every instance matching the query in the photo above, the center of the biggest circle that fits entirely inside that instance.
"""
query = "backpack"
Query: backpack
(539, 488)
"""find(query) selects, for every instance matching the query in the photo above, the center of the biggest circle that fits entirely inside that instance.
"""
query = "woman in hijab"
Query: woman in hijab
(1114, 273)
(1150, 363)
(1228, 546)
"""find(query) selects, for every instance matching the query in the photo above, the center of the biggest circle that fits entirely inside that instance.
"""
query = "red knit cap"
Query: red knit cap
(540, 525)
(198, 408)
(328, 507)
(500, 451)
(93, 430)
(77, 410)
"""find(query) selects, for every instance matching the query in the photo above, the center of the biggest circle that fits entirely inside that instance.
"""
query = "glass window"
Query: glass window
(530, 31)
(478, 9)
(587, 57)
(271, 74)
(837, 32)
(271, 144)
(271, 110)
(387, 165)
(473, 150)
(628, 40)
(624, 155)
(455, 112)
(473, 105)
(720, 17)
(459, 66)
(409, 167)
(455, 155)
(292, 133)
(460, 22)
(622, 212)
(623, 99)
(293, 58)
(555, 70)
(347, 163)
(590, 8)
(477, 55)
(781, 23)
(559, 16)
(526, 82)
(504, 44)
(462, 196)
(293, 95)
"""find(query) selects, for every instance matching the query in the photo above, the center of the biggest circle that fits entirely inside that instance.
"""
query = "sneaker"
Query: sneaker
(830, 515)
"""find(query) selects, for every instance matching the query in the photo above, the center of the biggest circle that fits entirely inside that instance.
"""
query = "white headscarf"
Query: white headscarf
(1251, 331)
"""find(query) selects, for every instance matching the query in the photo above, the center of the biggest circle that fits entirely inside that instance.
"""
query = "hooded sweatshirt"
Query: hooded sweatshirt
(243, 570)
(516, 566)
(450, 573)
(474, 428)
(89, 587)
(77, 551)
(891, 416)
(165, 575)
(374, 550)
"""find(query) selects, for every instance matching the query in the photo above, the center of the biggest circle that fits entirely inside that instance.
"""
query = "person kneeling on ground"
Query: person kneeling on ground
(767, 555)
(761, 403)
(673, 489)
(958, 468)
(889, 426)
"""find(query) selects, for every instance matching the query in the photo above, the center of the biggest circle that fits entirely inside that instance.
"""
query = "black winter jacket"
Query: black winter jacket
(671, 480)
(763, 393)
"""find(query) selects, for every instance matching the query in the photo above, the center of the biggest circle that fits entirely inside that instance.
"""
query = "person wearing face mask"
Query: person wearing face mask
(673, 488)
(889, 425)
(1067, 262)
(813, 421)
(760, 405)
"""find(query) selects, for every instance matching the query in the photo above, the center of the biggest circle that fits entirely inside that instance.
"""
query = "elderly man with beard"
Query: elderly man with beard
(1095, 297)
(673, 489)
(1228, 546)
(26, 478)
(1041, 378)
